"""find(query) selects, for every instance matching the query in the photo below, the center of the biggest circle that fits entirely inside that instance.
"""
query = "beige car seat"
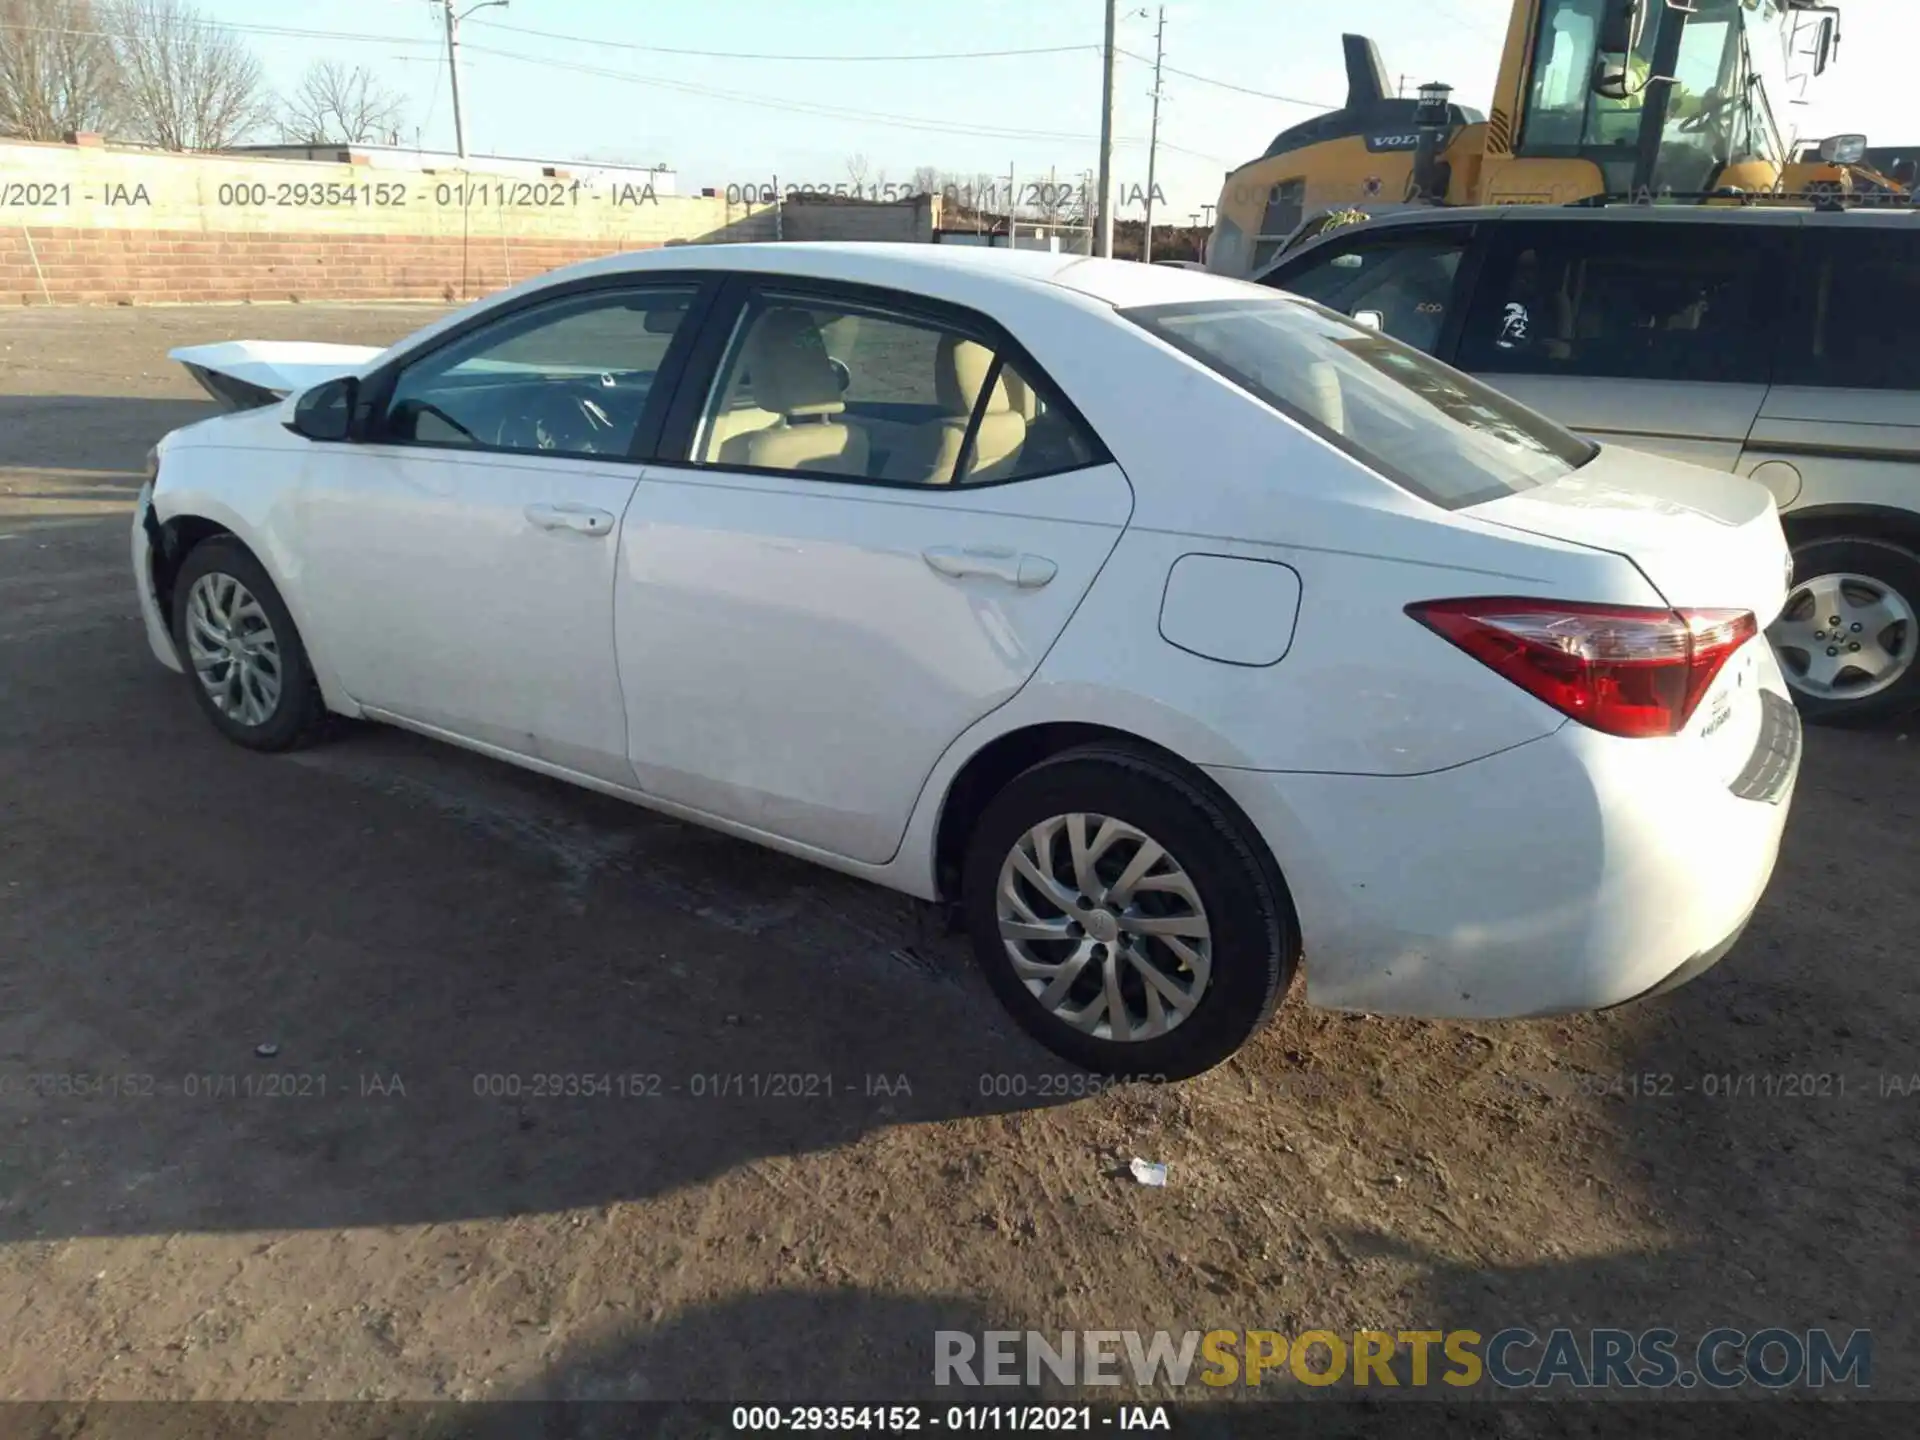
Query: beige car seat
(1322, 396)
(960, 369)
(794, 380)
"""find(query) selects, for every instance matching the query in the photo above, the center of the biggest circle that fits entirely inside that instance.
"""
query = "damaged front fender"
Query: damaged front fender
(150, 544)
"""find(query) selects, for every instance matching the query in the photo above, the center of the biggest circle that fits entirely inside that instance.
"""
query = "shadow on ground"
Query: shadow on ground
(489, 994)
(109, 434)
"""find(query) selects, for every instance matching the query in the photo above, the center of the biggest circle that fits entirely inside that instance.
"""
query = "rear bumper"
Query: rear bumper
(1574, 872)
(1693, 969)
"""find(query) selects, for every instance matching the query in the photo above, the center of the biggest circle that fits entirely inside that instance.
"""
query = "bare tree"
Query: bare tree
(925, 180)
(190, 83)
(335, 105)
(57, 70)
(857, 168)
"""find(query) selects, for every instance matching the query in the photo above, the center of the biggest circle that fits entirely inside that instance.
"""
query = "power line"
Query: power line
(600, 43)
(803, 107)
(816, 108)
(1229, 85)
(822, 109)
(739, 97)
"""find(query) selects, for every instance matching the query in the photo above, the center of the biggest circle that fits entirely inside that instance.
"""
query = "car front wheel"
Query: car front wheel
(242, 654)
(1848, 639)
(1124, 916)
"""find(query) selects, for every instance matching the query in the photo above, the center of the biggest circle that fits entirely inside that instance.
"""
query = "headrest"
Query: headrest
(1019, 393)
(960, 369)
(792, 374)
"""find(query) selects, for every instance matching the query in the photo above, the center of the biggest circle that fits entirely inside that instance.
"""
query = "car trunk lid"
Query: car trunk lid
(245, 374)
(1703, 539)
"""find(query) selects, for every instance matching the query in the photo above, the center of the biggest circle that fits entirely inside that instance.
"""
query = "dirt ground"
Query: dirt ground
(368, 1214)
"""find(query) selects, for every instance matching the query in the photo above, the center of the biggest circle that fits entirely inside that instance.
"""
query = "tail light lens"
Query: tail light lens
(1621, 669)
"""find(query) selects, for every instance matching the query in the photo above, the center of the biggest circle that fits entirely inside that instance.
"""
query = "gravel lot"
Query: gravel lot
(416, 928)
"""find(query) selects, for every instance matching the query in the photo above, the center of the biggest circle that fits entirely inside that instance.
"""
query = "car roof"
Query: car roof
(1727, 216)
(1627, 213)
(924, 268)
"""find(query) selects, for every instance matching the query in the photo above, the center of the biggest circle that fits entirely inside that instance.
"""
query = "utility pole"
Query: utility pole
(1153, 135)
(453, 70)
(1103, 243)
(453, 63)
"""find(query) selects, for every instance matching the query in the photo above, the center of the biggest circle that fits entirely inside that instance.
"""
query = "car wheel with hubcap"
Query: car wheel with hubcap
(1848, 641)
(242, 654)
(1123, 915)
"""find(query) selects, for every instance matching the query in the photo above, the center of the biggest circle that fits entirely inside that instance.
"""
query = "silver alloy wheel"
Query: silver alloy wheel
(1104, 927)
(1845, 637)
(234, 650)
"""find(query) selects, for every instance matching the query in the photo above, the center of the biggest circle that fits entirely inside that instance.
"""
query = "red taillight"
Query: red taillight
(1622, 669)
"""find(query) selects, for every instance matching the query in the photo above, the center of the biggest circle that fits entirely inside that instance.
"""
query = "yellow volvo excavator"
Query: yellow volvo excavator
(1595, 99)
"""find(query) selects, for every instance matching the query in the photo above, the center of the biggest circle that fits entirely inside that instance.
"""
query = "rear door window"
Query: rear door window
(1431, 430)
(1628, 301)
(1858, 322)
(1408, 280)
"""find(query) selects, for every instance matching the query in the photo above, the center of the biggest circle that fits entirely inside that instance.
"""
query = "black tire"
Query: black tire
(1887, 564)
(299, 714)
(1249, 917)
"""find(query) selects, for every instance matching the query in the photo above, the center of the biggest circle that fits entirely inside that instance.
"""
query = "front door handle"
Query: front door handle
(1029, 572)
(581, 519)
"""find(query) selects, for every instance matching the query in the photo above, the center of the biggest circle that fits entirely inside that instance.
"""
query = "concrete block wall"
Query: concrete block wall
(86, 223)
(826, 217)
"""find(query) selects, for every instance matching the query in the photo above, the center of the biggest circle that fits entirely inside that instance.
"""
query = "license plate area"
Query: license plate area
(1769, 771)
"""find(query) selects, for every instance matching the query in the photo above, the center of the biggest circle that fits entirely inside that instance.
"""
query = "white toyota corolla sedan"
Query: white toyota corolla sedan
(1176, 632)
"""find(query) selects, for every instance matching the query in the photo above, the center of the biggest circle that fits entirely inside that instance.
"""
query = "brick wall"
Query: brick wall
(81, 266)
(86, 223)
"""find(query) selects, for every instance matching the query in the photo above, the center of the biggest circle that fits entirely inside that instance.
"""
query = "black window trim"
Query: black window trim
(696, 381)
(376, 388)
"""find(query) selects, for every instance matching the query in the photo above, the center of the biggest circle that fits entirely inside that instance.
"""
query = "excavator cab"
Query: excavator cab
(1595, 99)
(1613, 97)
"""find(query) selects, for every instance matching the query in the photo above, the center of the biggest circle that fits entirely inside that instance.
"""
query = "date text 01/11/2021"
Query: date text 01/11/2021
(985, 193)
(908, 1419)
(55, 196)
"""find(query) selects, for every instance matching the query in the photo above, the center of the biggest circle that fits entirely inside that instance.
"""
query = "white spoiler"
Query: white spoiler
(241, 374)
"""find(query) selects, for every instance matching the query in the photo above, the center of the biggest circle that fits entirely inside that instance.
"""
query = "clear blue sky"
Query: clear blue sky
(1035, 113)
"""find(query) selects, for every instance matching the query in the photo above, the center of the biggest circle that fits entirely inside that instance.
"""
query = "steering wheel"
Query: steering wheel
(565, 418)
(1708, 113)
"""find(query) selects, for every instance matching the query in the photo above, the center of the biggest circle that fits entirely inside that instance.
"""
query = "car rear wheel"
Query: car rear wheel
(243, 656)
(1124, 916)
(1849, 637)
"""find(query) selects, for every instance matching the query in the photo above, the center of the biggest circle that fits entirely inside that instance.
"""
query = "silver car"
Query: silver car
(1775, 342)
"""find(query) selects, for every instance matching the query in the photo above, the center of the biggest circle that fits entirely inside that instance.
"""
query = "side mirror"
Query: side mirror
(1369, 319)
(1620, 26)
(1843, 149)
(326, 411)
(841, 373)
(1823, 46)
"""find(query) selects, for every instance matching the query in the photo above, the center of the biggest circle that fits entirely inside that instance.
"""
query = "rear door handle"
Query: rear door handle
(1029, 572)
(581, 519)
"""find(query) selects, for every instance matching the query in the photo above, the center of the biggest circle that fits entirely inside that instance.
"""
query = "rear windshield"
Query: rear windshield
(1425, 426)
